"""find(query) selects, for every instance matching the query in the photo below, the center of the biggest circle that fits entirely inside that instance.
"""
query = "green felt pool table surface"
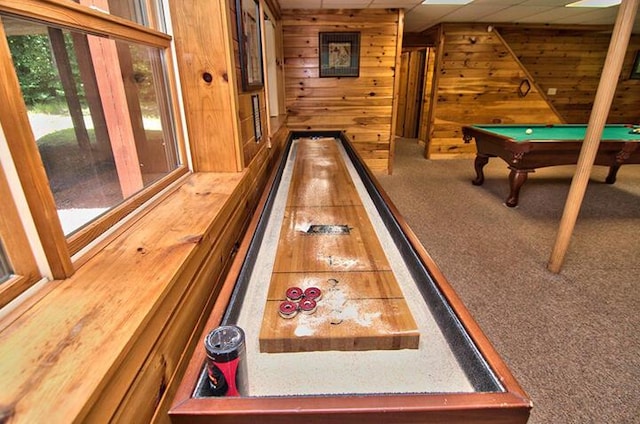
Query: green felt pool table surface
(575, 132)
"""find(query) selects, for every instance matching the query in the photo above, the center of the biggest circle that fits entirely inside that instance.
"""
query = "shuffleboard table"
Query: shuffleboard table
(526, 147)
(388, 341)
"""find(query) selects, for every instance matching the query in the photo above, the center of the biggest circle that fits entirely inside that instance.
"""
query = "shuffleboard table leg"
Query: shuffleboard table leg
(517, 178)
(480, 162)
(613, 172)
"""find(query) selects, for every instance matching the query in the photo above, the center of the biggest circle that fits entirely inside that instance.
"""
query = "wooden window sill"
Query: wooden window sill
(61, 352)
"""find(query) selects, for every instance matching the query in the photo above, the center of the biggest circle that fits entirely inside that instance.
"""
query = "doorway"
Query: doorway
(415, 95)
(411, 92)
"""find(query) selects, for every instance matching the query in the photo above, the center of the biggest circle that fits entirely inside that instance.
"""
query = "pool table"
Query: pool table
(526, 147)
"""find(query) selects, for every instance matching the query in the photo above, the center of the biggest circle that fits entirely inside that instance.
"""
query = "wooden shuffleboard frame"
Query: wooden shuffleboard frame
(498, 398)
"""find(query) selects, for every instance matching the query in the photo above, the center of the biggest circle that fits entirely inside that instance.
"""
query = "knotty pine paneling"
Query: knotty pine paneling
(363, 106)
(202, 40)
(477, 82)
(571, 62)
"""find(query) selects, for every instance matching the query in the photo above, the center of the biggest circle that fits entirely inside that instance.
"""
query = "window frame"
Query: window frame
(69, 15)
(16, 247)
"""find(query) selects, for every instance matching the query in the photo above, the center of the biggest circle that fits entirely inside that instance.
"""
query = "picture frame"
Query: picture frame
(257, 120)
(250, 44)
(339, 54)
(635, 70)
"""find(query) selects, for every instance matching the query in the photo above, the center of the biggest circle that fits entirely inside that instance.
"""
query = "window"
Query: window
(142, 12)
(5, 269)
(98, 113)
(89, 122)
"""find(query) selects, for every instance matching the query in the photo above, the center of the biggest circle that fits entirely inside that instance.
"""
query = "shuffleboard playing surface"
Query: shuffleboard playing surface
(327, 241)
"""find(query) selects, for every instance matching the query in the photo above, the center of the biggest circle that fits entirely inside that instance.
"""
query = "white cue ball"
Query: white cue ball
(528, 131)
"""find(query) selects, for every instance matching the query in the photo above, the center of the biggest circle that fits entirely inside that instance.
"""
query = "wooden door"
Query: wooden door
(411, 92)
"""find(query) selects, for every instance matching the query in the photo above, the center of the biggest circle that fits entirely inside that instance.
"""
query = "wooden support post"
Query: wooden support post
(92, 96)
(63, 65)
(104, 54)
(600, 111)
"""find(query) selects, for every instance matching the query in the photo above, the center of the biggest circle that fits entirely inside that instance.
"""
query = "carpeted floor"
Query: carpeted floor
(571, 339)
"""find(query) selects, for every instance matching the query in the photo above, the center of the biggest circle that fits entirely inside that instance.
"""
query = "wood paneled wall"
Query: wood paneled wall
(478, 74)
(203, 46)
(362, 106)
(570, 61)
(477, 81)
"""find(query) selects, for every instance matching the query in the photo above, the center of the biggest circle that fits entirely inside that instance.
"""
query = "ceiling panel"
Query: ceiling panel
(602, 16)
(345, 4)
(424, 17)
(514, 14)
(419, 17)
(403, 4)
(500, 2)
(474, 14)
(554, 3)
(558, 14)
(298, 4)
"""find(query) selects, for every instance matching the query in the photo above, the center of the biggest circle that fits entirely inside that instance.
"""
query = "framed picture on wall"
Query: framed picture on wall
(248, 20)
(257, 121)
(339, 54)
(635, 71)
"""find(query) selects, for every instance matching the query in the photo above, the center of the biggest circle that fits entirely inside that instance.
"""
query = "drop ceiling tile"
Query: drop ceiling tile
(423, 17)
(400, 4)
(555, 14)
(472, 14)
(345, 4)
(514, 14)
(554, 3)
(500, 2)
(300, 4)
(601, 17)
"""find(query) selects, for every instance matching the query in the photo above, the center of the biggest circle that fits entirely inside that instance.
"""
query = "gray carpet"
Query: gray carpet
(571, 339)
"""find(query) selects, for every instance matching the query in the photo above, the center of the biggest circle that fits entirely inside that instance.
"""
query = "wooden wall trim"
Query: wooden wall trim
(274, 8)
(396, 89)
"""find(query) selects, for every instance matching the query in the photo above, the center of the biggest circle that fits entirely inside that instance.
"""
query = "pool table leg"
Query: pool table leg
(613, 172)
(480, 162)
(517, 178)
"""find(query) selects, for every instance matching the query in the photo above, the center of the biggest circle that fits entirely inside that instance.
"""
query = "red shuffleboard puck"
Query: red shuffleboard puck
(307, 306)
(288, 309)
(313, 293)
(294, 294)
